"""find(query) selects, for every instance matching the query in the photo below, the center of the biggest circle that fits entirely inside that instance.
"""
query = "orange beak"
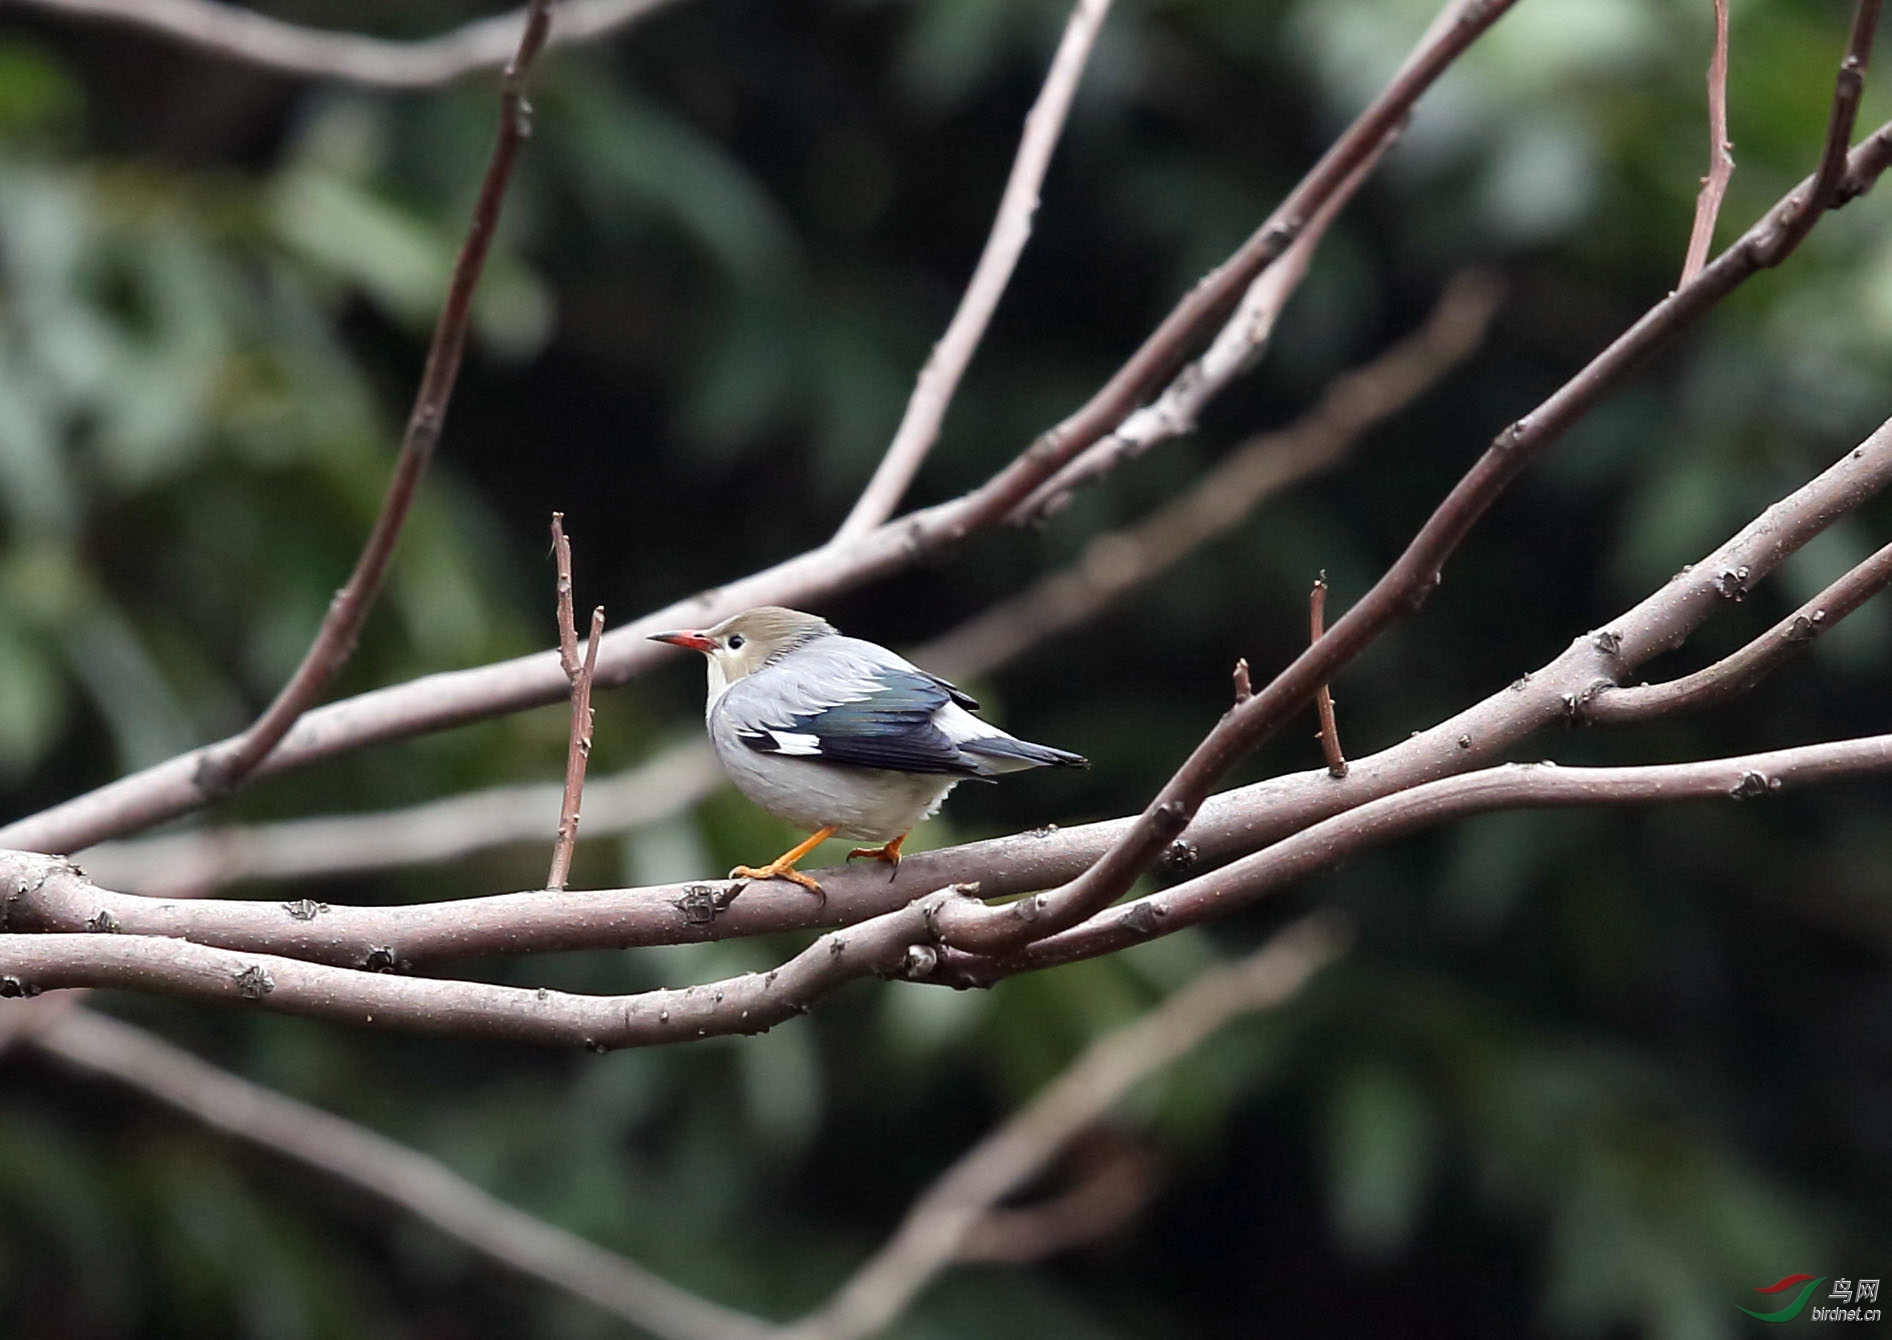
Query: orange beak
(694, 641)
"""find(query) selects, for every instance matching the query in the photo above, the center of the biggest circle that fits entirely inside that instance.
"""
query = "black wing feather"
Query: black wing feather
(891, 728)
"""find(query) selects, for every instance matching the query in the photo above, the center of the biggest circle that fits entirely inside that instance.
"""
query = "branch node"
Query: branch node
(253, 982)
(1753, 785)
(1180, 855)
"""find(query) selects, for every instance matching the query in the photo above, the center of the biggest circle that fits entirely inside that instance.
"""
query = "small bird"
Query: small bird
(841, 736)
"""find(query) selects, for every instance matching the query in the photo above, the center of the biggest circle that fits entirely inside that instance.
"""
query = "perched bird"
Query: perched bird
(841, 736)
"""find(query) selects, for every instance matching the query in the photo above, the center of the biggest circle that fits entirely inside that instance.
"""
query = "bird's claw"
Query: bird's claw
(787, 872)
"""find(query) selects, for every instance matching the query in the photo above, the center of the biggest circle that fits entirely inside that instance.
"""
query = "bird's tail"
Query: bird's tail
(1005, 753)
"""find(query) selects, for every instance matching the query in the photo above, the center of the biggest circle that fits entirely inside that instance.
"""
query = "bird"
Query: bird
(841, 736)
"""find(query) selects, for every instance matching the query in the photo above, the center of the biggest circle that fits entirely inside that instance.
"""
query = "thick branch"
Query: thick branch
(225, 766)
(895, 943)
(239, 34)
(389, 1173)
(1735, 674)
(939, 379)
(1511, 786)
(941, 1221)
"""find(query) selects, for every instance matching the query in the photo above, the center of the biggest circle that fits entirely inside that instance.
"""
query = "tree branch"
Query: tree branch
(186, 864)
(234, 33)
(1011, 229)
(1406, 584)
(942, 1220)
(1720, 152)
(437, 701)
(1737, 673)
(1510, 786)
(37, 895)
(388, 1173)
(225, 766)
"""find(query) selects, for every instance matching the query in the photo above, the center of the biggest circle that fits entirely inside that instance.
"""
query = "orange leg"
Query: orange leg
(783, 866)
(889, 853)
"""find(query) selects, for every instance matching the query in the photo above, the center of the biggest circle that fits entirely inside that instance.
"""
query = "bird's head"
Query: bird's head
(743, 643)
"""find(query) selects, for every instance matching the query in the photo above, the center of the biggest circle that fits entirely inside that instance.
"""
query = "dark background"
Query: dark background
(1587, 1074)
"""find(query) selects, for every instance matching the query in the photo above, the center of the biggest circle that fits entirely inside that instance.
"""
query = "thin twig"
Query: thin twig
(1243, 689)
(387, 1172)
(939, 1223)
(225, 766)
(1011, 229)
(578, 750)
(1323, 697)
(238, 34)
(1831, 185)
(1720, 152)
(1740, 671)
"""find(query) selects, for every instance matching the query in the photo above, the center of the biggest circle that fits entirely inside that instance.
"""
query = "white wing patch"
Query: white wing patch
(959, 725)
(797, 743)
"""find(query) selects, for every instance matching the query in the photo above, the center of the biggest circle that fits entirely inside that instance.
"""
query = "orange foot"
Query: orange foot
(783, 866)
(890, 854)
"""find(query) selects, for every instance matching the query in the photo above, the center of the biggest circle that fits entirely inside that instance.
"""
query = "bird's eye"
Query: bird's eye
(736, 640)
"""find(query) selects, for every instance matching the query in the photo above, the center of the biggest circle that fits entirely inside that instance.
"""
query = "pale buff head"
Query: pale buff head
(743, 643)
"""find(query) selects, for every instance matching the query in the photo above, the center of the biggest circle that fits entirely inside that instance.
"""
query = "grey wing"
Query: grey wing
(830, 703)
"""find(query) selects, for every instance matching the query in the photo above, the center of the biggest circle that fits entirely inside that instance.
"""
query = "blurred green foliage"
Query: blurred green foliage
(1587, 1074)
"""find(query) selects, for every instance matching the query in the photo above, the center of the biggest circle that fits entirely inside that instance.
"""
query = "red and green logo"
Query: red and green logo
(1793, 1309)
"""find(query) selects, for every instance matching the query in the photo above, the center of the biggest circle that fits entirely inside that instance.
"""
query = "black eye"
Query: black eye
(736, 640)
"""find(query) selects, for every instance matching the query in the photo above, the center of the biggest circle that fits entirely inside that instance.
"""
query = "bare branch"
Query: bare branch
(1112, 1182)
(942, 1220)
(1399, 591)
(1831, 185)
(437, 701)
(939, 379)
(1110, 566)
(1329, 735)
(41, 896)
(578, 750)
(1117, 561)
(893, 944)
(1720, 152)
(225, 766)
(1510, 786)
(187, 864)
(1737, 673)
(238, 34)
(896, 943)
(1237, 348)
(387, 1172)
